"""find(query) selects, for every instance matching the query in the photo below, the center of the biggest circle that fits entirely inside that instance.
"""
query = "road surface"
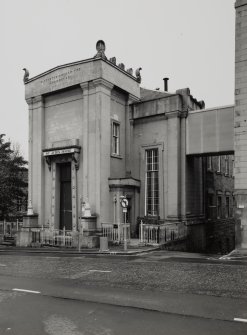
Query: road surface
(148, 294)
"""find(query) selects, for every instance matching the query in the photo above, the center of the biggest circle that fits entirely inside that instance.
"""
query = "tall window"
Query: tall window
(219, 164)
(232, 166)
(227, 207)
(227, 165)
(219, 207)
(115, 138)
(209, 163)
(152, 182)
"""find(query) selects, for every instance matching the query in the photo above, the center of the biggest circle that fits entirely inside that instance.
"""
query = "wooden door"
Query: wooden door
(65, 197)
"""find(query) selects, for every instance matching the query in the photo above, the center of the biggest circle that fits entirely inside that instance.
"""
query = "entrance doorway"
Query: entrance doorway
(65, 197)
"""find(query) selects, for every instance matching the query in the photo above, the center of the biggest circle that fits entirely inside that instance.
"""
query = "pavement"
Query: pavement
(235, 255)
(113, 250)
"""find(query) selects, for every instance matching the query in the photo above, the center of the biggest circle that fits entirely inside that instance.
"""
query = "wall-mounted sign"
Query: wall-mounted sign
(60, 152)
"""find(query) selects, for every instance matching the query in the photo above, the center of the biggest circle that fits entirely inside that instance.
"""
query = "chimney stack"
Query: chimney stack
(165, 84)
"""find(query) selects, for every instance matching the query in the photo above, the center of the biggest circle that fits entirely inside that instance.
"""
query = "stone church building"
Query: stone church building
(95, 135)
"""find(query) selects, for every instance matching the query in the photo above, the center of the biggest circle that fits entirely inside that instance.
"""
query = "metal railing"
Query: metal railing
(115, 232)
(10, 228)
(52, 237)
(159, 234)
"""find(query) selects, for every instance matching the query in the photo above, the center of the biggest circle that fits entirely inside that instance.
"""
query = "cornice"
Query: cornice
(29, 101)
(35, 100)
(103, 82)
(84, 86)
(173, 114)
(133, 99)
(240, 3)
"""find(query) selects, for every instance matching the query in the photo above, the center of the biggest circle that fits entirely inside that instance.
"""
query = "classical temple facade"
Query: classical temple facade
(95, 135)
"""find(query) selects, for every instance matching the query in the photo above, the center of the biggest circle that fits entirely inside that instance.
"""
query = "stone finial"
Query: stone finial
(138, 75)
(30, 208)
(201, 104)
(100, 47)
(121, 66)
(130, 71)
(113, 60)
(26, 75)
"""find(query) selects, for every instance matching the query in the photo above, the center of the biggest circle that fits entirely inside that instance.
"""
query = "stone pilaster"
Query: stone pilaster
(99, 148)
(30, 144)
(103, 144)
(128, 134)
(240, 126)
(85, 164)
(74, 196)
(183, 164)
(173, 165)
(184, 100)
(36, 161)
(54, 198)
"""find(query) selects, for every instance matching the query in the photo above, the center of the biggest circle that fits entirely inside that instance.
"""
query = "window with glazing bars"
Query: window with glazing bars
(219, 164)
(152, 182)
(227, 165)
(115, 138)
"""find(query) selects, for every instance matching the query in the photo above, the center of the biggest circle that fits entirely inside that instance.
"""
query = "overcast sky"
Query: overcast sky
(189, 41)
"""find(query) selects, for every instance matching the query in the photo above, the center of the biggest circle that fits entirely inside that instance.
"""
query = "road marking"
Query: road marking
(104, 271)
(22, 290)
(52, 257)
(240, 320)
(2, 264)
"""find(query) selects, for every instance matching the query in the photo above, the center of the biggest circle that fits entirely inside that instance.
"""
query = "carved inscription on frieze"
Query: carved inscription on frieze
(61, 79)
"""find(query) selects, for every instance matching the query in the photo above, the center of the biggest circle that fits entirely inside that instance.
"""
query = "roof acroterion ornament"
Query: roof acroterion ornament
(26, 75)
(138, 75)
(100, 47)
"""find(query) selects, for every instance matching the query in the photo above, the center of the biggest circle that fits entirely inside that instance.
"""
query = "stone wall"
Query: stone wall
(220, 236)
(212, 236)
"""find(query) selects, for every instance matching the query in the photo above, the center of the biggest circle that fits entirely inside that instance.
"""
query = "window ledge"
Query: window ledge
(116, 156)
